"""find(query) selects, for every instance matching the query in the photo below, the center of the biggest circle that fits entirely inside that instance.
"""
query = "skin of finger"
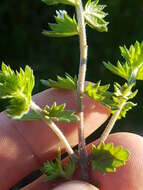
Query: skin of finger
(24, 146)
(70, 185)
(76, 185)
(128, 177)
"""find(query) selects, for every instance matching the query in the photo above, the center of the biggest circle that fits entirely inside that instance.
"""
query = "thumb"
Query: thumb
(76, 185)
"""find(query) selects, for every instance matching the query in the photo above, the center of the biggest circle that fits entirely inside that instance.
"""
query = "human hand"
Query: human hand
(26, 145)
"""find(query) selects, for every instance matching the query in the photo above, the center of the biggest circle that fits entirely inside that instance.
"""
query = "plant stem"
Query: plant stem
(114, 117)
(111, 124)
(54, 128)
(80, 88)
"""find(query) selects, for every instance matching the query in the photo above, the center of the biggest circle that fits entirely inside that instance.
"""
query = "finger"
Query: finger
(38, 185)
(76, 185)
(25, 145)
(128, 177)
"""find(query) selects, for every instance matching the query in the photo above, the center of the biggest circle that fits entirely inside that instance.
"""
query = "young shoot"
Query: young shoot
(17, 86)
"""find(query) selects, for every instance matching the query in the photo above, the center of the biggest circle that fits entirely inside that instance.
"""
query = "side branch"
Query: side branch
(54, 128)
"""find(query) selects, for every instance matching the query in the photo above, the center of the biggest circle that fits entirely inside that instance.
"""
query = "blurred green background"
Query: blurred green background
(21, 43)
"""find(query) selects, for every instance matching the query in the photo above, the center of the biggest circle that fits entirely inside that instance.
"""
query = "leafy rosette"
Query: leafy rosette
(16, 87)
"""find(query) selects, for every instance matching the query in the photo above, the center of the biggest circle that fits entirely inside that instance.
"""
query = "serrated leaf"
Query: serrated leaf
(65, 26)
(132, 68)
(66, 83)
(121, 95)
(54, 2)
(99, 93)
(120, 70)
(58, 113)
(54, 170)
(107, 157)
(94, 16)
(17, 88)
(128, 106)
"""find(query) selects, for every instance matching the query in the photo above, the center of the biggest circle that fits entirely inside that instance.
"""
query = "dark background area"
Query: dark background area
(21, 43)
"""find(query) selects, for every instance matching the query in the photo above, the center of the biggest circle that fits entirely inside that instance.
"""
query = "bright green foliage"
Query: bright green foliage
(94, 16)
(65, 26)
(54, 2)
(66, 83)
(128, 106)
(124, 91)
(17, 88)
(121, 95)
(99, 93)
(54, 170)
(107, 157)
(132, 68)
(58, 113)
(113, 100)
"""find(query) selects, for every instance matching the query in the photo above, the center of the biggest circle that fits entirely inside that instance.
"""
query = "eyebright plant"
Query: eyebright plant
(16, 87)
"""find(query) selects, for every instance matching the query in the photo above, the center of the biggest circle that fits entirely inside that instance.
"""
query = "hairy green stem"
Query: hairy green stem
(54, 128)
(80, 88)
(111, 124)
(115, 116)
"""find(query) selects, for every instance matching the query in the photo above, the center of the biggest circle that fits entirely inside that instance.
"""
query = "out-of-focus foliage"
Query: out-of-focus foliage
(21, 42)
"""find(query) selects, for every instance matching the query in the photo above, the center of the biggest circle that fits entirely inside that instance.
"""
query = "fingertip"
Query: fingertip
(76, 185)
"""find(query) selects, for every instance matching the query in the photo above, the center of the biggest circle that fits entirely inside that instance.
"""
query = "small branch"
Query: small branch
(111, 124)
(114, 117)
(80, 88)
(54, 128)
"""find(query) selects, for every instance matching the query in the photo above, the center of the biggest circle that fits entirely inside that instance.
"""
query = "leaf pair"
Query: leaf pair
(132, 68)
(55, 113)
(58, 113)
(66, 26)
(54, 170)
(17, 88)
(113, 100)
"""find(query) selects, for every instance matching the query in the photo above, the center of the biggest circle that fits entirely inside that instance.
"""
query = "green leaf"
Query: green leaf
(94, 16)
(121, 70)
(128, 106)
(132, 68)
(30, 116)
(107, 157)
(54, 170)
(121, 95)
(65, 26)
(54, 2)
(66, 83)
(58, 113)
(99, 93)
(17, 88)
